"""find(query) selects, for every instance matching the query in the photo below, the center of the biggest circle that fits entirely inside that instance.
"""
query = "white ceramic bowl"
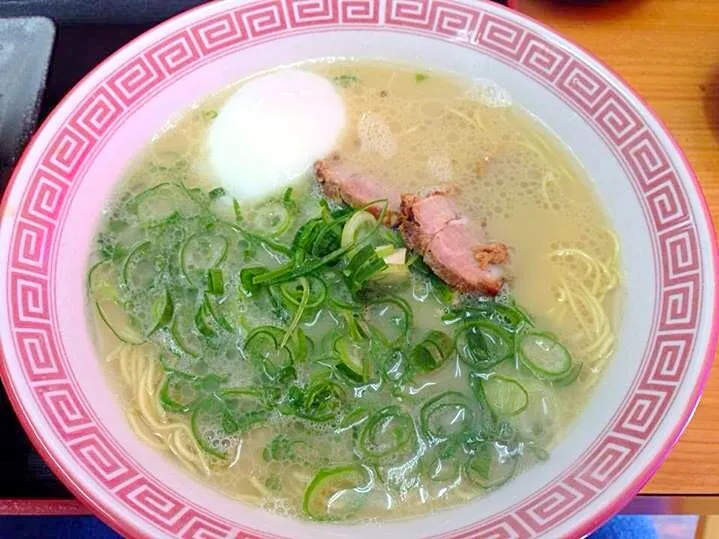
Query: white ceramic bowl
(51, 209)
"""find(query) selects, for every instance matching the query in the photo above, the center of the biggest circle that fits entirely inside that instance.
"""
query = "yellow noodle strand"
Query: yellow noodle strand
(581, 294)
(141, 370)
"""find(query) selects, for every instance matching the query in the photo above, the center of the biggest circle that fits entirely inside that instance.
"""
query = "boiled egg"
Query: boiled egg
(271, 130)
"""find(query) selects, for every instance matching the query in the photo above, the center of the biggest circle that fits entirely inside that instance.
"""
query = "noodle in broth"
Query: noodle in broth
(421, 131)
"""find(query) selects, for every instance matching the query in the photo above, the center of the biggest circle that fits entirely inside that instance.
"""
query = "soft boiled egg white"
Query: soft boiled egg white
(271, 131)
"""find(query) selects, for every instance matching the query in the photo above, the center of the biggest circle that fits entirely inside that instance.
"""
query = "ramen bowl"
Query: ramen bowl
(53, 205)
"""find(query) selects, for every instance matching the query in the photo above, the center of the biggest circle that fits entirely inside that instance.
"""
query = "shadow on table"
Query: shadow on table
(55, 528)
(710, 96)
(581, 9)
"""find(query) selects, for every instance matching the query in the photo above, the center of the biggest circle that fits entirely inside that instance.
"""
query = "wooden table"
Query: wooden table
(668, 51)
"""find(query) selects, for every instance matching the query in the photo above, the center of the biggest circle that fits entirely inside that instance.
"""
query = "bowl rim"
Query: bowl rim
(587, 525)
(630, 491)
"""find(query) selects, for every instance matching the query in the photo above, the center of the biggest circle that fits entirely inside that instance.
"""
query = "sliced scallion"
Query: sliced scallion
(482, 344)
(200, 253)
(491, 466)
(215, 282)
(446, 416)
(353, 356)
(102, 281)
(362, 223)
(505, 396)
(337, 492)
(432, 352)
(161, 311)
(543, 355)
(388, 434)
(119, 322)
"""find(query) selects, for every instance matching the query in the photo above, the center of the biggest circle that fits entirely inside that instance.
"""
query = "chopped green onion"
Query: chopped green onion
(234, 409)
(383, 251)
(203, 322)
(490, 467)
(510, 317)
(200, 253)
(361, 224)
(481, 344)
(395, 365)
(346, 80)
(440, 290)
(338, 492)
(293, 291)
(291, 272)
(120, 323)
(391, 317)
(161, 202)
(353, 357)
(215, 282)
(446, 416)
(389, 433)
(571, 376)
(353, 419)
(243, 409)
(175, 386)
(238, 210)
(281, 448)
(204, 290)
(543, 355)
(300, 310)
(207, 412)
(247, 278)
(442, 463)
(396, 272)
(138, 271)
(102, 281)
(275, 217)
(263, 347)
(362, 266)
(269, 242)
(432, 352)
(505, 396)
(355, 325)
(217, 192)
(161, 311)
(183, 334)
(321, 402)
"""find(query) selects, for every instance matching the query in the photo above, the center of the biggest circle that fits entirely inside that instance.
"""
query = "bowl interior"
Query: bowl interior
(635, 412)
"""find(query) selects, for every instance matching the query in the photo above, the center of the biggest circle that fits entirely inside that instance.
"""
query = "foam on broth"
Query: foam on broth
(422, 131)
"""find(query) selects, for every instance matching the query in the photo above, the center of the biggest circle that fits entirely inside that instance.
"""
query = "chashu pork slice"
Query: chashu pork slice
(342, 181)
(432, 226)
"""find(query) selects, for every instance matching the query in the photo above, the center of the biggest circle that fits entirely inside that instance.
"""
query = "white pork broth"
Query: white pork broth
(297, 356)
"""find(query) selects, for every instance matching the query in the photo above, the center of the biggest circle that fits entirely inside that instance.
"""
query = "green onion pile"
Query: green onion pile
(312, 321)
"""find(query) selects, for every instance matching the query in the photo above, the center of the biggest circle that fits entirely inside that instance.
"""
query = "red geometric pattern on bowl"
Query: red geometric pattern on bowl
(36, 340)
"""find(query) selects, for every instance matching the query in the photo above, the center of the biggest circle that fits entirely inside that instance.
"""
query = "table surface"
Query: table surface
(668, 51)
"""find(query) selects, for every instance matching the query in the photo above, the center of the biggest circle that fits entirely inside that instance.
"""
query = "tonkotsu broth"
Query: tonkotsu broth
(419, 130)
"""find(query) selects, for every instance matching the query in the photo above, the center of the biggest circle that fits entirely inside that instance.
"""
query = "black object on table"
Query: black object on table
(86, 33)
(25, 45)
